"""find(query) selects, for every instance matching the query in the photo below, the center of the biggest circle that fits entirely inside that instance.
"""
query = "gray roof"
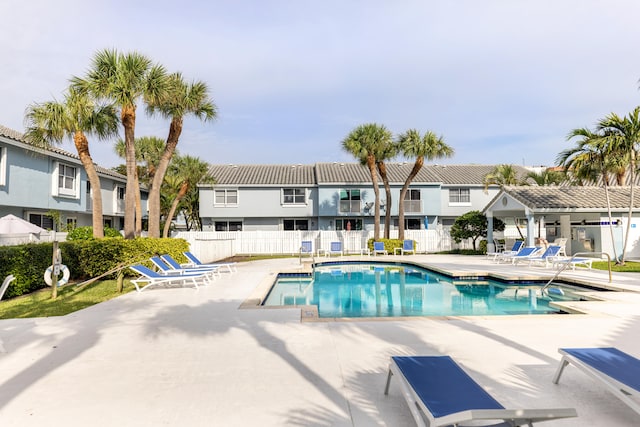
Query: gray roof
(575, 197)
(348, 173)
(17, 136)
(263, 174)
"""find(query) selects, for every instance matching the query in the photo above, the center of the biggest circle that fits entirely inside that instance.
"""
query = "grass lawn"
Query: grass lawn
(70, 299)
(628, 267)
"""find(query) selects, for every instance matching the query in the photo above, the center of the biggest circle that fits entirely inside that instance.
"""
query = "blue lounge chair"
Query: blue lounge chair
(306, 247)
(618, 371)
(165, 269)
(407, 246)
(175, 265)
(378, 248)
(440, 393)
(573, 262)
(194, 262)
(517, 245)
(336, 248)
(148, 278)
(547, 257)
(523, 253)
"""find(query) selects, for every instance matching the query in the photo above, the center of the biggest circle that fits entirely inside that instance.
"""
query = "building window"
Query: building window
(412, 224)
(348, 224)
(72, 223)
(119, 194)
(459, 195)
(293, 196)
(295, 224)
(226, 198)
(412, 201)
(3, 165)
(108, 222)
(228, 225)
(65, 180)
(349, 201)
(41, 220)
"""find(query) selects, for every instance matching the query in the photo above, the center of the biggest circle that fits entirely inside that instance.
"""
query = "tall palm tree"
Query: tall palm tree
(363, 142)
(387, 151)
(125, 79)
(183, 99)
(624, 136)
(591, 160)
(148, 152)
(189, 171)
(414, 145)
(75, 117)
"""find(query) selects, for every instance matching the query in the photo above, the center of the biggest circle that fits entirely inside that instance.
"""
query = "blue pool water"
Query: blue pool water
(394, 290)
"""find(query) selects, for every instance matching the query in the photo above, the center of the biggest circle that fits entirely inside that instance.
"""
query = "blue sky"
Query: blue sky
(501, 81)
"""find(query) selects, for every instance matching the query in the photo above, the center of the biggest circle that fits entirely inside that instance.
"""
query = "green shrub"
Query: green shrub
(86, 233)
(390, 245)
(84, 259)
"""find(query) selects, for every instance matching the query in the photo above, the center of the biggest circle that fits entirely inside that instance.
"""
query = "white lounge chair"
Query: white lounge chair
(194, 262)
(618, 371)
(573, 262)
(148, 278)
(440, 393)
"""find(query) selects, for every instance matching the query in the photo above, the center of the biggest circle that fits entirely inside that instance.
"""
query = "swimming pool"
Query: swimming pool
(396, 290)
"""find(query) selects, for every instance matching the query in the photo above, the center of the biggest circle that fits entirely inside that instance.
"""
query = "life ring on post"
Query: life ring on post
(65, 275)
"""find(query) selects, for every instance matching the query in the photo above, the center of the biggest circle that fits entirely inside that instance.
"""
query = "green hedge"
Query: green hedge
(84, 259)
(390, 244)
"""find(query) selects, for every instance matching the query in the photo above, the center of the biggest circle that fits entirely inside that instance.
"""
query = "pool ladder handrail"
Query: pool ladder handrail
(564, 267)
(313, 258)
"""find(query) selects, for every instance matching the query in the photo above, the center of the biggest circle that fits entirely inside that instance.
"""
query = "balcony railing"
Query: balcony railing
(412, 206)
(349, 206)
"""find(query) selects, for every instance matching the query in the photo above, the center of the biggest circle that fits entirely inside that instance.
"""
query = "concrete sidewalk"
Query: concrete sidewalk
(181, 357)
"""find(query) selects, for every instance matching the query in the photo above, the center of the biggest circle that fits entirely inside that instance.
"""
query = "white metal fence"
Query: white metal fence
(19, 239)
(219, 244)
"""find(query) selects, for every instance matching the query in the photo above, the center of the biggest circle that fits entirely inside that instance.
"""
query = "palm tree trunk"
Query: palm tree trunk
(183, 191)
(175, 130)
(128, 117)
(403, 192)
(82, 146)
(371, 163)
(382, 168)
(138, 206)
(631, 197)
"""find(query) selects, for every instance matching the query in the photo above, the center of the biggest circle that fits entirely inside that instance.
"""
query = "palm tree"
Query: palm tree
(189, 171)
(73, 118)
(386, 152)
(590, 160)
(547, 177)
(414, 145)
(624, 136)
(125, 79)
(364, 142)
(183, 98)
(502, 175)
(148, 152)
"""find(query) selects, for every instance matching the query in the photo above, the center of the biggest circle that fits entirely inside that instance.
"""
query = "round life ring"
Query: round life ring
(65, 275)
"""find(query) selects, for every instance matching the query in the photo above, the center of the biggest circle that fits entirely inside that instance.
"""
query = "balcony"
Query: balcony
(349, 206)
(412, 206)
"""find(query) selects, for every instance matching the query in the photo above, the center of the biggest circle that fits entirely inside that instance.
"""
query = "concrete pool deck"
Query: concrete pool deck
(181, 357)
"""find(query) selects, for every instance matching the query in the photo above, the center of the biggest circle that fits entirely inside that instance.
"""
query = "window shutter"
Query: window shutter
(54, 179)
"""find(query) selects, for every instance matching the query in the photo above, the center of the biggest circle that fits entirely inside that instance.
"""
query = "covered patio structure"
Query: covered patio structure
(577, 213)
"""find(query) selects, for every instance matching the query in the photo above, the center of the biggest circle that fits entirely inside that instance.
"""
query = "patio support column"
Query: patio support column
(531, 228)
(490, 246)
(565, 231)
